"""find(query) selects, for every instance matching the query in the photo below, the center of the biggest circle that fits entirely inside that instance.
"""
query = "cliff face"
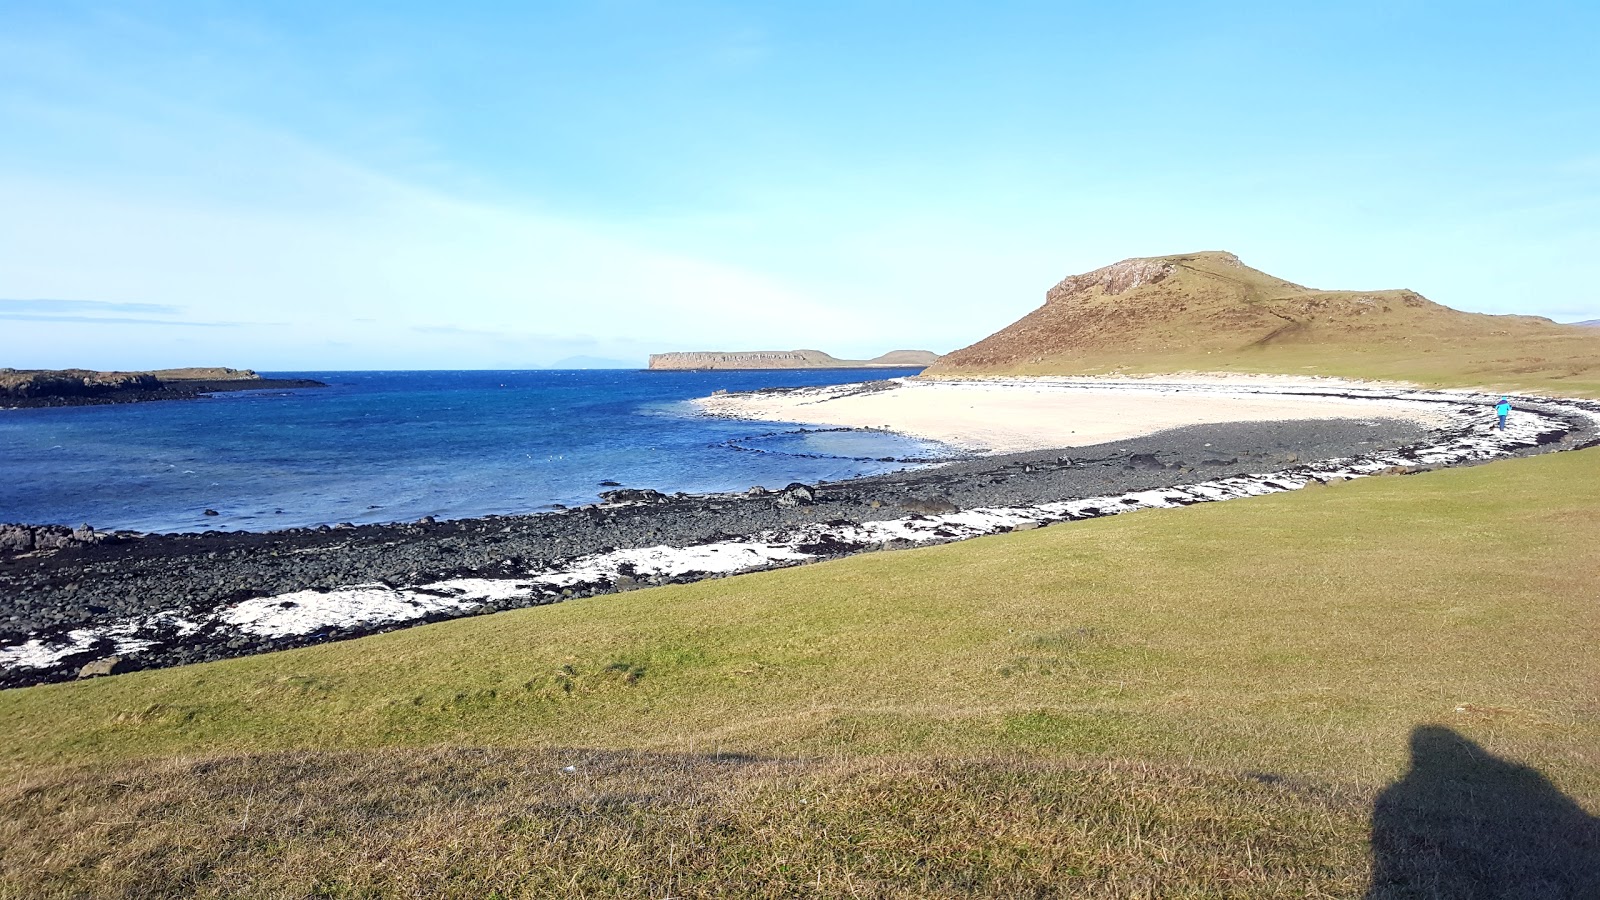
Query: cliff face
(785, 359)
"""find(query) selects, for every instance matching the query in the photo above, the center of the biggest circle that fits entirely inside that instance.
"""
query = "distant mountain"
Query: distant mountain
(1589, 322)
(1211, 312)
(786, 359)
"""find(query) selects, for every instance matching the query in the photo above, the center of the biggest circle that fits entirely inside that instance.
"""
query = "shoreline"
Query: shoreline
(168, 600)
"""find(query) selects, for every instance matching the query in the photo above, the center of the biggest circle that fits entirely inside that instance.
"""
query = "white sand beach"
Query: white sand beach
(1008, 415)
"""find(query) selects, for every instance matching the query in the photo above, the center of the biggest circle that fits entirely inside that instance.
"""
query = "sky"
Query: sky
(407, 185)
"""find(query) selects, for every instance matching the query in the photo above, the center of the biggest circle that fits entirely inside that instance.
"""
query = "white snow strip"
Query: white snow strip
(39, 653)
(304, 612)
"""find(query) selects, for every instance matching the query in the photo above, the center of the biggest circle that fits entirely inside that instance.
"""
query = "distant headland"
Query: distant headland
(85, 387)
(787, 359)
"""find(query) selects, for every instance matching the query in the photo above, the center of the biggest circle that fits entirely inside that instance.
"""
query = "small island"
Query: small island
(86, 387)
(788, 359)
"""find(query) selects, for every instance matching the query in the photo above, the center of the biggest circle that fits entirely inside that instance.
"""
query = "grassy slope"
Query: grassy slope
(1114, 679)
(1213, 314)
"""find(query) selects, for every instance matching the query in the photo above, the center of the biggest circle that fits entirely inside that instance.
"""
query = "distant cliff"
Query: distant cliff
(786, 359)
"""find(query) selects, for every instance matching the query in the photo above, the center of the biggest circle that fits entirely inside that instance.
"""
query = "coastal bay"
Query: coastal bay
(162, 600)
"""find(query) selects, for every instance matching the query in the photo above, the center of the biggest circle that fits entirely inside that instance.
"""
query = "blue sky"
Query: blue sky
(423, 185)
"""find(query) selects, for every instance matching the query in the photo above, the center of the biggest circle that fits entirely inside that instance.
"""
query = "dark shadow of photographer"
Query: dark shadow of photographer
(1467, 825)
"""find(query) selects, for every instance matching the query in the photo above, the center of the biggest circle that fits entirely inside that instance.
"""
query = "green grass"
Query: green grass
(1300, 637)
(1567, 368)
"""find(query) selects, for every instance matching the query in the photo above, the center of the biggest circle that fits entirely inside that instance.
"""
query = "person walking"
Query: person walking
(1503, 409)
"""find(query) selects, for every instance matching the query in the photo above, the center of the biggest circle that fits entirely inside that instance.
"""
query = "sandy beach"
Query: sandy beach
(1018, 414)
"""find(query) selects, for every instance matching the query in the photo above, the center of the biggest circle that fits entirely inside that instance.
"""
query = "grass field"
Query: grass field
(1223, 700)
(1569, 367)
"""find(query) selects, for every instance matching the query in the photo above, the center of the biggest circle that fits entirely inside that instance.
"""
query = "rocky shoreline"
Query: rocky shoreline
(165, 389)
(109, 603)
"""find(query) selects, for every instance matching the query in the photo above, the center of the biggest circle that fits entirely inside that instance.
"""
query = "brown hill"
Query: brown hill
(1211, 312)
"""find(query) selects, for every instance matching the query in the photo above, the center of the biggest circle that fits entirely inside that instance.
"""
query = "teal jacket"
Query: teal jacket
(1503, 408)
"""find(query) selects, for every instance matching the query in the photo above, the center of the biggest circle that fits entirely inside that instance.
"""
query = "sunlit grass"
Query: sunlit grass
(1302, 635)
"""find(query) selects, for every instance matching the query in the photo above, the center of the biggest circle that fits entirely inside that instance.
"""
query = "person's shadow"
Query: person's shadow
(1466, 825)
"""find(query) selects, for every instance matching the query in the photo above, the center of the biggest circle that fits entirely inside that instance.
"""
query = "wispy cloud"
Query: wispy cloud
(105, 312)
(86, 307)
(112, 320)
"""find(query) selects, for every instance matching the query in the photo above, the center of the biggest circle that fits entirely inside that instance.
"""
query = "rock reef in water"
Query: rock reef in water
(786, 359)
(78, 387)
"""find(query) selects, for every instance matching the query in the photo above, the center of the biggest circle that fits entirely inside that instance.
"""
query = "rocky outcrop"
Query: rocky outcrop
(72, 383)
(80, 387)
(28, 538)
(786, 359)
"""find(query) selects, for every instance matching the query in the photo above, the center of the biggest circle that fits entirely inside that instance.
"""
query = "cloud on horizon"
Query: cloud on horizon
(103, 312)
(60, 307)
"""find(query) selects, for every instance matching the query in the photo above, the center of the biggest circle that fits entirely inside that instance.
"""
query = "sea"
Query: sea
(397, 446)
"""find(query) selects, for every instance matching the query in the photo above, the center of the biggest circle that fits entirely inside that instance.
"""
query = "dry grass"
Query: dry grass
(506, 823)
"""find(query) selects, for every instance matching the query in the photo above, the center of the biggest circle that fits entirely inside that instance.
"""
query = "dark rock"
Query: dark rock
(796, 494)
(611, 484)
(212, 512)
(1145, 461)
(633, 495)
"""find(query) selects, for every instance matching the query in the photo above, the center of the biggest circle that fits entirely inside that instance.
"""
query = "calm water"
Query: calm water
(394, 446)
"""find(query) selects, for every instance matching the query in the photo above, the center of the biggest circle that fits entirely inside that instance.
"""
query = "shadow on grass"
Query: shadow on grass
(1466, 824)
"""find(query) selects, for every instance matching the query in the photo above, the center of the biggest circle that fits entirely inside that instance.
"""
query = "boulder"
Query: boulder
(1146, 461)
(110, 665)
(929, 506)
(796, 494)
(633, 495)
(15, 539)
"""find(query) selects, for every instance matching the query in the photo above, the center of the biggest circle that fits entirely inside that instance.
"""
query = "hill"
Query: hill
(1211, 312)
(786, 359)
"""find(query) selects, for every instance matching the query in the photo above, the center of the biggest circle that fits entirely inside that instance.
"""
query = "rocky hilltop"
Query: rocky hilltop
(1209, 311)
(786, 359)
(79, 387)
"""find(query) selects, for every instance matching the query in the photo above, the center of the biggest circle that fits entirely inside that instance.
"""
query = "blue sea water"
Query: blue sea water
(395, 446)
